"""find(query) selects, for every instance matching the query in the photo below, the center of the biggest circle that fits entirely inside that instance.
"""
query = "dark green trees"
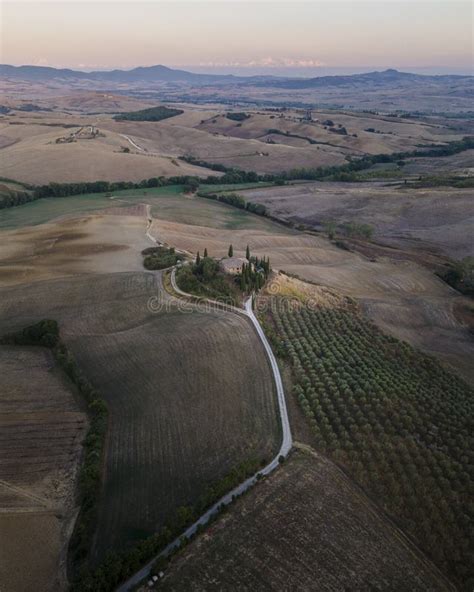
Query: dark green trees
(254, 273)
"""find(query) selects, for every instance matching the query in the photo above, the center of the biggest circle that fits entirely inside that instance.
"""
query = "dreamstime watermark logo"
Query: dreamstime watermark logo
(272, 299)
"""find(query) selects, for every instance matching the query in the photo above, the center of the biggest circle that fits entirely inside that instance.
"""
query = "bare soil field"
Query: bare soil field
(462, 163)
(190, 394)
(88, 244)
(306, 527)
(438, 219)
(31, 154)
(389, 135)
(248, 154)
(42, 426)
(34, 539)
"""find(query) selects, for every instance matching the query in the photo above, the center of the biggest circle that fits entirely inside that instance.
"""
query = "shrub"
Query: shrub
(160, 258)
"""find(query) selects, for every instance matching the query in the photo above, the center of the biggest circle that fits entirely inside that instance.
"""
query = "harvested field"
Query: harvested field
(304, 528)
(264, 143)
(33, 539)
(438, 219)
(99, 243)
(31, 154)
(41, 426)
(168, 137)
(190, 395)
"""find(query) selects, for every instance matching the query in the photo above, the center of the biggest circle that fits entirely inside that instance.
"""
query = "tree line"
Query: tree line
(235, 200)
(234, 176)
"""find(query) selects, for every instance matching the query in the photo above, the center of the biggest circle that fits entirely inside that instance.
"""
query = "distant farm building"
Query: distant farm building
(232, 265)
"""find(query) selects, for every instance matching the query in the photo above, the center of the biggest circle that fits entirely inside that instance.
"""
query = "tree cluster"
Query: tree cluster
(254, 274)
(237, 201)
(160, 257)
(237, 116)
(151, 114)
(460, 276)
(11, 198)
(203, 278)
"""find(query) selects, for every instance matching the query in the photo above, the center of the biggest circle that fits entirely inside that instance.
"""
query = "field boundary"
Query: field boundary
(237, 491)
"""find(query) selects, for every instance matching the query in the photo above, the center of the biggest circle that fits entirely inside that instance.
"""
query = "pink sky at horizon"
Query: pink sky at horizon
(238, 34)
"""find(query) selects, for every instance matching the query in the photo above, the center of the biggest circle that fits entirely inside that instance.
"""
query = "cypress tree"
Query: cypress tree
(198, 258)
(231, 251)
(247, 253)
(205, 252)
(243, 282)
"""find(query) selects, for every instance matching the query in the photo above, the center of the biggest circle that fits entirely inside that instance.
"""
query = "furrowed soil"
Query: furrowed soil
(190, 394)
(306, 527)
(437, 220)
(42, 426)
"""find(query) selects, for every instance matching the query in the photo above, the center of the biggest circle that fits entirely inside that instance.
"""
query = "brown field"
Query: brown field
(402, 297)
(30, 154)
(29, 562)
(88, 244)
(190, 394)
(41, 428)
(304, 528)
(435, 219)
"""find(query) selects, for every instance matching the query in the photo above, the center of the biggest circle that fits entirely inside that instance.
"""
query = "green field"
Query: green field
(394, 418)
(168, 203)
(47, 209)
(197, 211)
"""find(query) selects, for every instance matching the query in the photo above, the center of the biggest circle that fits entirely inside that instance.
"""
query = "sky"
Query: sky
(235, 35)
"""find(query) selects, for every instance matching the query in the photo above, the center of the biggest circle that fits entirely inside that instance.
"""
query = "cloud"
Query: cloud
(267, 62)
(41, 62)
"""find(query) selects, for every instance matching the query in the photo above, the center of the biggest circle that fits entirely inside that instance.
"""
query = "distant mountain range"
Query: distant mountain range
(159, 73)
(386, 77)
(142, 74)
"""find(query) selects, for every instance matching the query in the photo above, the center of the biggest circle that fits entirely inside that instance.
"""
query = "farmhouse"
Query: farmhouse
(232, 265)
